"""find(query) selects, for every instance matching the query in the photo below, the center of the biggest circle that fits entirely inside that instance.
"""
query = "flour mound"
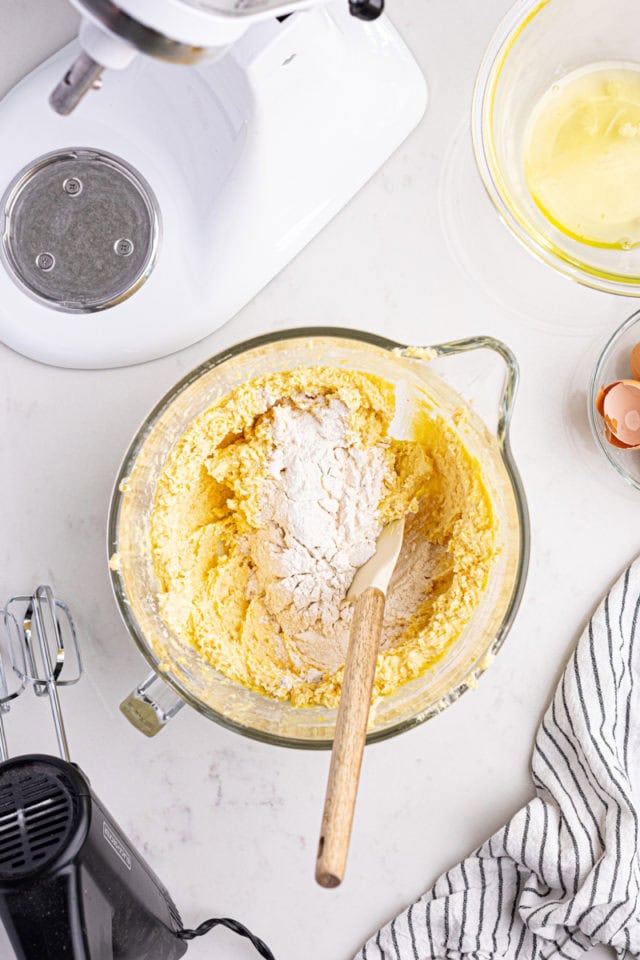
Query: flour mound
(319, 519)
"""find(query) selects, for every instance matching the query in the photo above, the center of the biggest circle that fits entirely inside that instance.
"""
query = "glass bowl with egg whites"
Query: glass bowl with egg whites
(614, 365)
(556, 116)
(475, 400)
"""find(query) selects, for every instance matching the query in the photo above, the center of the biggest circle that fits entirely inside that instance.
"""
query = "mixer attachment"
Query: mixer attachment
(39, 650)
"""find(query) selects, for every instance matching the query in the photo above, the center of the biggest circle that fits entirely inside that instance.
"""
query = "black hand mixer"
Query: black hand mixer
(72, 887)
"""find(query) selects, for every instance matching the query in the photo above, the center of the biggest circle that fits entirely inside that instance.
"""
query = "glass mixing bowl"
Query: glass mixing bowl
(613, 364)
(180, 675)
(536, 45)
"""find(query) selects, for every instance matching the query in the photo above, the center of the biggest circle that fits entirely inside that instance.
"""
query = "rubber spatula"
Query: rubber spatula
(368, 589)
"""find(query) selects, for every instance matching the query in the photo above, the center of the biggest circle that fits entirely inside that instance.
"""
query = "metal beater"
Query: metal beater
(41, 638)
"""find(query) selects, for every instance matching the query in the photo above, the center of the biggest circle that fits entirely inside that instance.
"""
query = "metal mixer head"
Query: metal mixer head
(112, 33)
(38, 650)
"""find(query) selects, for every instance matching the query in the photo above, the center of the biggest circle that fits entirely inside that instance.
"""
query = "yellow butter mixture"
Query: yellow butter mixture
(276, 495)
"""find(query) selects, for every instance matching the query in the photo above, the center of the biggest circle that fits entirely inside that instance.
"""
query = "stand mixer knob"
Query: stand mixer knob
(366, 9)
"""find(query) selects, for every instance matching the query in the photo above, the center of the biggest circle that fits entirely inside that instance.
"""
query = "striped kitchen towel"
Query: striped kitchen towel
(564, 872)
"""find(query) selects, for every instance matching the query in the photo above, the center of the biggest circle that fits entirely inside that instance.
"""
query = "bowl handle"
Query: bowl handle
(512, 376)
(151, 705)
(505, 412)
(505, 407)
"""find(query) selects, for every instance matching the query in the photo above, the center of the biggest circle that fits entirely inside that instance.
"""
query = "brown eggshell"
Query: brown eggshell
(602, 392)
(619, 406)
(613, 440)
(635, 362)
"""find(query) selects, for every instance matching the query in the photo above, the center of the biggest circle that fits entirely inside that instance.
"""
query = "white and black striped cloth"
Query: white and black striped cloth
(564, 872)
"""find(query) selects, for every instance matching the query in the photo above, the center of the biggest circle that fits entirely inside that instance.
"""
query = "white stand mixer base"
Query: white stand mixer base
(249, 158)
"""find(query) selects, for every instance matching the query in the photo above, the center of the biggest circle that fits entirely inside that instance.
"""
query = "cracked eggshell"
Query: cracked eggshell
(619, 406)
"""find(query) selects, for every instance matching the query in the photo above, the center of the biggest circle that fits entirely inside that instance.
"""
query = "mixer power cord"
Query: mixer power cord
(233, 925)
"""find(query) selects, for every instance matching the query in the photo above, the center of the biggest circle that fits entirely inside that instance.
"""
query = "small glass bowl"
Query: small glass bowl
(614, 364)
(537, 44)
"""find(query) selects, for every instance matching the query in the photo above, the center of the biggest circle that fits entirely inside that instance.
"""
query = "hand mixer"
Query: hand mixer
(72, 887)
(138, 219)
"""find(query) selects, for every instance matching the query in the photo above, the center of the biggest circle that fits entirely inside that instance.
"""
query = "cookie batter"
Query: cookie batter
(275, 496)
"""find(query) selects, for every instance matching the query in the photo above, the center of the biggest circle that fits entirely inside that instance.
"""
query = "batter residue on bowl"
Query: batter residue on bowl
(273, 498)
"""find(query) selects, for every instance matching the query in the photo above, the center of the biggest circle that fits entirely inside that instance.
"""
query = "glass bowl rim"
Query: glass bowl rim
(476, 670)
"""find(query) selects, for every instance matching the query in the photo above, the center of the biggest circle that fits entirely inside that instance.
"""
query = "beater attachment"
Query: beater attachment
(40, 651)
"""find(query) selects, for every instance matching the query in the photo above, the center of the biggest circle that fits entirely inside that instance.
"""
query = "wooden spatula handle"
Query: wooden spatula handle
(350, 736)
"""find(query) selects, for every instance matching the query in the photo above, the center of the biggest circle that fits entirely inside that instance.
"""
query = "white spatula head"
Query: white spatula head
(377, 571)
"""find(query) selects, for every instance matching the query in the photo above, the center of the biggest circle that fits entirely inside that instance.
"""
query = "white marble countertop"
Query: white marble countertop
(231, 825)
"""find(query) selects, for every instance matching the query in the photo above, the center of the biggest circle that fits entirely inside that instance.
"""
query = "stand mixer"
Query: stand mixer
(72, 887)
(139, 218)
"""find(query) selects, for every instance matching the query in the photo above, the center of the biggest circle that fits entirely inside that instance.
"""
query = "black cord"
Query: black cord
(233, 925)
